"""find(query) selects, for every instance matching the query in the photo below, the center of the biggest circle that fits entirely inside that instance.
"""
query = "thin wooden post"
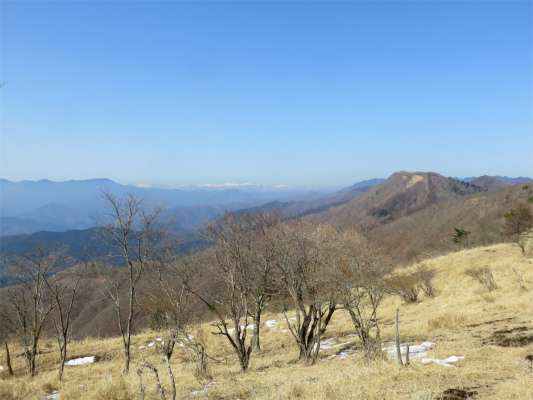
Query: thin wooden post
(397, 339)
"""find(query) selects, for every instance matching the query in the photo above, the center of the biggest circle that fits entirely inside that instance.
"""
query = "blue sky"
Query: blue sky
(272, 93)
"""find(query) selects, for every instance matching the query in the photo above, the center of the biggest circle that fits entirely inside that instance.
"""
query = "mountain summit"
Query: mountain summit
(402, 194)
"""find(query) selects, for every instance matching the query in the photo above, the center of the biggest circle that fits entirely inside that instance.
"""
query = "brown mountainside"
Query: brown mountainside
(489, 182)
(401, 195)
(429, 232)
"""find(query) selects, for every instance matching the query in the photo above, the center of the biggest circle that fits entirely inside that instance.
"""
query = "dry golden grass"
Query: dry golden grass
(464, 319)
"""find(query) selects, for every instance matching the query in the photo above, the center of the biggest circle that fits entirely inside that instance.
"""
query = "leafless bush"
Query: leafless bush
(362, 269)
(513, 275)
(196, 349)
(526, 245)
(425, 276)
(406, 286)
(484, 276)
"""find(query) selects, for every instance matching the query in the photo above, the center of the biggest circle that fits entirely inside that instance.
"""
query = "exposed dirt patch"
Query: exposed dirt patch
(510, 338)
(517, 329)
(457, 393)
(489, 322)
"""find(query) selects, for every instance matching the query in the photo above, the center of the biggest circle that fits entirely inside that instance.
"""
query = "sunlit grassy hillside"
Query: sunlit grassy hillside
(493, 330)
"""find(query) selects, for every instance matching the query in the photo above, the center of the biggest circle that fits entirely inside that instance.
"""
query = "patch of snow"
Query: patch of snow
(143, 347)
(231, 330)
(80, 361)
(438, 297)
(352, 335)
(271, 323)
(285, 331)
(206, 387)
(151, 344)
(159, 339)
(328, 344)
(343, 354)
(80, 385)
(414, 351)
(54, 395)
(444, 362)
(1, 367)
(420, 303)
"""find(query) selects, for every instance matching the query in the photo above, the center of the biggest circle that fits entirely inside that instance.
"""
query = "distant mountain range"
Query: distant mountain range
(505, 179)
(28, 206)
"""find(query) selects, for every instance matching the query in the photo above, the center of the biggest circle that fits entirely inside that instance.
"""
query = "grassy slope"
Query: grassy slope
(459, 321)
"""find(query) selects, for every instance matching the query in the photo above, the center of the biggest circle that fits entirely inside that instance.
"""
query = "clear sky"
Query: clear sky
(271, 93)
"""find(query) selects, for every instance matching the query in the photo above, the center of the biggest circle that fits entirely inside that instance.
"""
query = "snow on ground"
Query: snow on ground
(206, 387)
(1, 367)
(271, 323)
(444, 362)
(80, 361)
(344, 353)
(231, 330)
(54, 395)
(328, 344)
(416, 351)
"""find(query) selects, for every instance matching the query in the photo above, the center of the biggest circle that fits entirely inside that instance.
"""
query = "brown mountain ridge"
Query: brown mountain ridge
(401, 195)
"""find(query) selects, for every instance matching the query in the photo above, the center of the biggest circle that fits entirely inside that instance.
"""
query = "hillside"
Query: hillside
(489, 182)
(305, 207)
(413, 216)
(429, 232)
(401, 195)
(490, 332)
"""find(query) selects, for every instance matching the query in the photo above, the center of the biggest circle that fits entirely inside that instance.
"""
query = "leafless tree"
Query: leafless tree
(27, 293)
(63, 292)
(303, 257)
(168, 301)
(362, 272)
(7, 330)
(242, 260)
(517, 221)
(230, 301)
(135, 230)
(261, 260)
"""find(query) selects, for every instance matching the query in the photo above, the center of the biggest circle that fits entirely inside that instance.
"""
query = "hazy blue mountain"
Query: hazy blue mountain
(28, 206)
(468, 180)
(514, 181)
(80, 242)
(369, 182)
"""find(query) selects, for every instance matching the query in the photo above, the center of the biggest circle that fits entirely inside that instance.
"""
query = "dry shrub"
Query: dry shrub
(514, 276)
(484, 276)
(406, 286)
(425, 277)
(445, 321)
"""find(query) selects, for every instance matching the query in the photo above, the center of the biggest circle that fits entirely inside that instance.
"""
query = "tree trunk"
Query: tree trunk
(127, 339)
(8, 361)
(255, 338)
(397, 340)
(62, 357)
(244, 358)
